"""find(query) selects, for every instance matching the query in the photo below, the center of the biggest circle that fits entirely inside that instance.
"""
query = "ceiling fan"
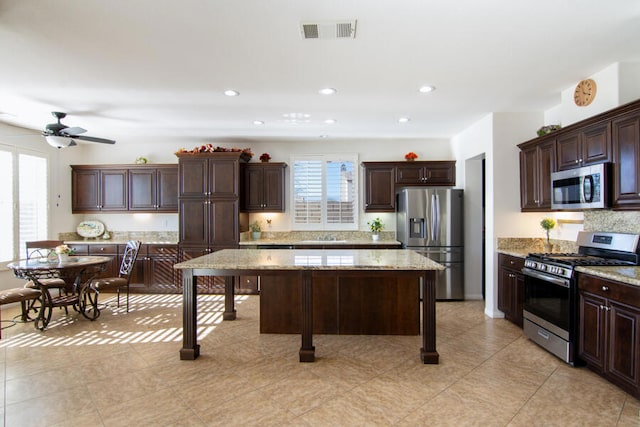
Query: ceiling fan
(61, 136)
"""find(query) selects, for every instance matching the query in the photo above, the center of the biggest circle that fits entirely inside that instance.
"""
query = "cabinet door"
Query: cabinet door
(167, 189)
(113, 189)
(194, 178)
(596, 143)
(379, 189)
(223, 178)
(440, 173)
(536, 164)
(253, 189)
(142, 189)
(85, 195)
(223, 223)
(273, 198)
(506, 292)
(626, 159)
(546, 164)
(569, 151)
(624, 344)
(194, 222)
(410, 174)
(528, 176)
(592, 330)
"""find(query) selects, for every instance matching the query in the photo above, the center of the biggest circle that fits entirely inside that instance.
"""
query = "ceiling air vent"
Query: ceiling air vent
(328, 30)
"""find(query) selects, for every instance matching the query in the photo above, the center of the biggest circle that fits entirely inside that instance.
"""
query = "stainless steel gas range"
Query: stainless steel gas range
(551, 288)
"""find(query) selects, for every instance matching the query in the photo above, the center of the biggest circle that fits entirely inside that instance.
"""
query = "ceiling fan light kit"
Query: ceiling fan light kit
(61, 136)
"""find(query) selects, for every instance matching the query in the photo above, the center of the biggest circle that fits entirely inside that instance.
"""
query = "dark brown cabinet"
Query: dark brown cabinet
(626, 159)
(153, 189)
(124, 188)
(511, 288)
(585, 146)
(379, 187)
(263, 187)
(381, 179)
(609, 340)
(537, 161)
(426, 173)
(98, 189)
(209, 217)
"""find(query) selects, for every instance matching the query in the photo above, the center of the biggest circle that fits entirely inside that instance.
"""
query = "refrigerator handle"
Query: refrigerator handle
(435, 217)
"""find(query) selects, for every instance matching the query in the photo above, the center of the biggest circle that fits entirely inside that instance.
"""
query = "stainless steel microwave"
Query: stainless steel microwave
(580, 188)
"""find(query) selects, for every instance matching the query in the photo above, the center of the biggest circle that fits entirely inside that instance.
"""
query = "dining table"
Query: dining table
(76, 271)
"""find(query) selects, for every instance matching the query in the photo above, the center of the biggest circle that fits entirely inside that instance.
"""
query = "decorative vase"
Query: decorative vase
(63, 257)
(255, 235)
(410, 160)
(375, 236)
(548, 248)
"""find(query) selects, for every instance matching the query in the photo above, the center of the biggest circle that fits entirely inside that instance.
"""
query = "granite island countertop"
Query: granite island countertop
(289, 241)
(311, 259)
(117, 242)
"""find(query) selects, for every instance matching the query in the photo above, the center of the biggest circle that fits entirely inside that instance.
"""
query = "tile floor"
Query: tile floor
(124, 369)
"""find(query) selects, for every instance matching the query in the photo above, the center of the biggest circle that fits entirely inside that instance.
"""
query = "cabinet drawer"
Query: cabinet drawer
(167, 250)
(512, 262)
(80, 249)
(618, 291)
(103, 249)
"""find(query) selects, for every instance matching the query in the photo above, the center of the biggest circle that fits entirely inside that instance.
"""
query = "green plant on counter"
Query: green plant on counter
(255, 226)
(547, 225)
(376, 225)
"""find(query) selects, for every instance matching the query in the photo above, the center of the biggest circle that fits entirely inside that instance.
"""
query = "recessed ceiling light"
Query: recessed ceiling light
(231, 92)
(258, 122)
(330, 121)
(327, 91)
(427, 89)
(404, 119)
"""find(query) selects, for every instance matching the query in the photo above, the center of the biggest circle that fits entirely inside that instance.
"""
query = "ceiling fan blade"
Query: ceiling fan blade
(73, 131)
(94, 139)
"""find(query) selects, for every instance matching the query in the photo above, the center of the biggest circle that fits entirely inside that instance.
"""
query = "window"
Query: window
(24, 206)
(324, 189)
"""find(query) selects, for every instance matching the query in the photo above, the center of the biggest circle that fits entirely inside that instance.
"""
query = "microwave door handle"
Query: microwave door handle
(587, 189)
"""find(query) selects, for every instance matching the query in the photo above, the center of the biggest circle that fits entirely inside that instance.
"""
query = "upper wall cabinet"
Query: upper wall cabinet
(381, 179)
(153, 189)
(537, 161)
(124, 188)
(426, 173)
(586, 146)
(626, 159)
(613, 136)
(262, 187)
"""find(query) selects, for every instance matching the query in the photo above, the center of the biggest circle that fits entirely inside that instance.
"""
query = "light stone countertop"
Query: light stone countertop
(312, 259)
(629, 275)
(520, 253)
(337, 243)
(115, 242)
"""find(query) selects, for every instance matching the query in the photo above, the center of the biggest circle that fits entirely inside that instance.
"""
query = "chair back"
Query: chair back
(41, 248)
(129, 257)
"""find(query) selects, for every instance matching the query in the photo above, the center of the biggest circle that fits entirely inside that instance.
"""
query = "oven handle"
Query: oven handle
(555, 280)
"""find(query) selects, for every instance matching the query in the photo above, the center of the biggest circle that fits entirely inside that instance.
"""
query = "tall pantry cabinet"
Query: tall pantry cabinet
(209, 217)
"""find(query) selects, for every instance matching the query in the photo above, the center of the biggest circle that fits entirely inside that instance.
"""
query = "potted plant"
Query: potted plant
(376, 227)
(547, 225)
(265, 157)
(256, 230)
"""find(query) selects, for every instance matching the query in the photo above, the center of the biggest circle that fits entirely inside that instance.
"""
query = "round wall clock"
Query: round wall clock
(585, 92)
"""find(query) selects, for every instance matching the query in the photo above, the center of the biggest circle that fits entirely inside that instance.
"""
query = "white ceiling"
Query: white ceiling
(127, 69)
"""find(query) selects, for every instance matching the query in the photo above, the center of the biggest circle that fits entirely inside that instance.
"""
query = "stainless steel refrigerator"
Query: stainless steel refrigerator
(430, 222)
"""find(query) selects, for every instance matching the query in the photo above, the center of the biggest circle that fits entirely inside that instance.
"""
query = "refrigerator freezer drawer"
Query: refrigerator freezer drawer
(441, 255)
(450, 282)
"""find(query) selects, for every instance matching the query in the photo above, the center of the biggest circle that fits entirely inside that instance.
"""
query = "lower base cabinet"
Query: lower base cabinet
(511, 288)
(610, 330)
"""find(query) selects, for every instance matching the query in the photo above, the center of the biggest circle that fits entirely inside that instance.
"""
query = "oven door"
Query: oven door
(547, 302)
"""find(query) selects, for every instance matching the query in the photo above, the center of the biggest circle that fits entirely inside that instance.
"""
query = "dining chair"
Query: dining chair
(43, 249)
(124, 276)
(21, 295)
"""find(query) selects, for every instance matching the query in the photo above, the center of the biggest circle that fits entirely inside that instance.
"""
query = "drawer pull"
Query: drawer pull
(605, 288)
(543, 334)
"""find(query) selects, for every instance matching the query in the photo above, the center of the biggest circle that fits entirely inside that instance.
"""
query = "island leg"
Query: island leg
(428, 353)
(190, 348)
(307, 350)
(229, 299)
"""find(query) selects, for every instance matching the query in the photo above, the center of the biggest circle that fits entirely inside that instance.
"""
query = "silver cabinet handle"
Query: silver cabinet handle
(605, 288)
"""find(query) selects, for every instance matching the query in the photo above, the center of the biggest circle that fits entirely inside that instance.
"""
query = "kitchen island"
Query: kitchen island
(310, 267)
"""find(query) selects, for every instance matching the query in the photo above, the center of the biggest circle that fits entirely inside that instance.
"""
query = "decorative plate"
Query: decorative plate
(90, 228)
